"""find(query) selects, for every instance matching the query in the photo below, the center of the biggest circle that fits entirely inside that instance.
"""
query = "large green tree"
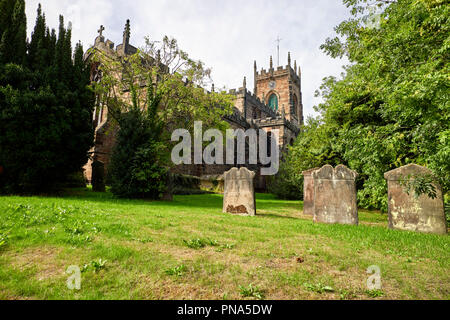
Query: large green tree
(45, 107)
(391, 107)
(149, 94)
(13, 25)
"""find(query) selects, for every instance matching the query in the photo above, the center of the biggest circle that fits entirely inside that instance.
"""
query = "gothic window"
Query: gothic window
(295, 104)
(255, 114)
(273, 102)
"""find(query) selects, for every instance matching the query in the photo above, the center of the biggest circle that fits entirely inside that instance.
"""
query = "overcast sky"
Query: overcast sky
(227, 35)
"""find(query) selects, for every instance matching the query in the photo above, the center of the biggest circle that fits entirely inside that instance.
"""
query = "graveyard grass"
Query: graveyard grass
(189, 249)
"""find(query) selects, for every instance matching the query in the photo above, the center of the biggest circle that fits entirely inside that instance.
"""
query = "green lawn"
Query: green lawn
(189, 249)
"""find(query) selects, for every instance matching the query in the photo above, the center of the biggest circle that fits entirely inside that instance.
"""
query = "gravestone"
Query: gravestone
(335, 195)
(239, 192)
(308, 192)
(409, 212)
(98, 176)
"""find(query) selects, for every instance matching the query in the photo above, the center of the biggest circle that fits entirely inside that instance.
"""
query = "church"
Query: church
(275, 103)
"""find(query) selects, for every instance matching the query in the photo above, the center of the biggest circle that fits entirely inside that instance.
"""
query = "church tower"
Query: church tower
(281, 90)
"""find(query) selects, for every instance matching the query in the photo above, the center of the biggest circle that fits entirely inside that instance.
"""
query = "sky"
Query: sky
(227, 35)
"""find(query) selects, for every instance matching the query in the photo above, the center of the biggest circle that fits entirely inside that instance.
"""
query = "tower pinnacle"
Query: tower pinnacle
(126, 34)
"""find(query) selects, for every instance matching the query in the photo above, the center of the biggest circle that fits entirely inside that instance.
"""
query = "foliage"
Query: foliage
(149, 94)
(3, 240)
(176, 78)
(288, 183)
(313, 148)
(374, 293)
(45, 107)
(391, 106)
(252, 292)
(136, 169)
(200, 243)
(176, 271)
(419, 185)
(318, 287)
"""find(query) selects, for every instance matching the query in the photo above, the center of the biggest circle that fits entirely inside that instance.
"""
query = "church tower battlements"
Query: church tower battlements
(281, 89)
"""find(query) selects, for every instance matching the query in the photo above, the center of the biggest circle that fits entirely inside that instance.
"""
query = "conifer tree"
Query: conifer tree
(46, 105)
(13, 35)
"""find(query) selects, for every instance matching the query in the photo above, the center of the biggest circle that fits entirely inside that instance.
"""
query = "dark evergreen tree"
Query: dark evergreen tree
(13, 37)
(45, 108)
(136, 169)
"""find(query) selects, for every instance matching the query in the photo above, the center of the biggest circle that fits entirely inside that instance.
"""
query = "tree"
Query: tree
(137, 167)
(390, 108)
(45, 111)
(178, 79)
(13, 24)
(148, 95)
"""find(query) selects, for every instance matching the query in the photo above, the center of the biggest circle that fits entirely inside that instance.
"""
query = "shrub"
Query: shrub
(286, 185)
(136, 169)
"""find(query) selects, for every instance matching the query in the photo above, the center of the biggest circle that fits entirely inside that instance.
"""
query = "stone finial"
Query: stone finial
(289, 59)
(127, 33)
(100, 31)
(255, 89)
(245, 82)
(212, 88)
(299, 71)
(295, 66)
(271, 62)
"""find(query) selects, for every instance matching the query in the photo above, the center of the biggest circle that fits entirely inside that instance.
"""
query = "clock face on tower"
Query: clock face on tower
(272, 85)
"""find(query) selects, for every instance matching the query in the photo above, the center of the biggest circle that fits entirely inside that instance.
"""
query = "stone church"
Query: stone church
(275, 103)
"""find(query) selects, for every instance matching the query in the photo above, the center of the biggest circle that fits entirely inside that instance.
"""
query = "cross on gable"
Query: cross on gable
(100, 31)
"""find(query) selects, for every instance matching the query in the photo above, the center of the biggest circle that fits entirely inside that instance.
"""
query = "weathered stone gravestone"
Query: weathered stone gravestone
(308, 192)
(335, 195)
(239, 192)
(98, 176)
(409, 212)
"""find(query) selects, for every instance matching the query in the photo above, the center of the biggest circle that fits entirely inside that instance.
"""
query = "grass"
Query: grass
(189, 249)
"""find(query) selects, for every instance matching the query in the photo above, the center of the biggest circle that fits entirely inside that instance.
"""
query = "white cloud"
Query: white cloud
(227, 35)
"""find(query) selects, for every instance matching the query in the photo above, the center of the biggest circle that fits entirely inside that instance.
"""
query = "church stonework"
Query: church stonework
(275, 104)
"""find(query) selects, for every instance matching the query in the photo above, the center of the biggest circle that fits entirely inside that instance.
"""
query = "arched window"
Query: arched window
(295, 106)
(273, 102)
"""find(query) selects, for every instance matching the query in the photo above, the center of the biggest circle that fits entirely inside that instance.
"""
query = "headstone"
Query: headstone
(98, 176)
(308, 192)
(408, 212)
(335, 195)
(239, 192)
